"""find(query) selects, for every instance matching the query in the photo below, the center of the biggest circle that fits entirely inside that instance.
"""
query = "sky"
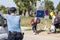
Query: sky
(10, 3)
(55, 2)
(7, 3)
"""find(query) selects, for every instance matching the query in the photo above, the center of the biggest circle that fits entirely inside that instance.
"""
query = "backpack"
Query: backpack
(56, 20)
(59, 20)
(31, 22)
(38, 20)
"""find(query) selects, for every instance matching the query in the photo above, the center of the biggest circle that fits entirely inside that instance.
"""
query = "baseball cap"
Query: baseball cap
(12, 9)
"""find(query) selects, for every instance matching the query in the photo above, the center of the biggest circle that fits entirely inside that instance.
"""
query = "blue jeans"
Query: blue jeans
(34, 28)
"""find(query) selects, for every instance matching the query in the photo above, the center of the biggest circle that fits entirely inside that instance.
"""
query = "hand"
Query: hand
(5, 21)
(32, 22)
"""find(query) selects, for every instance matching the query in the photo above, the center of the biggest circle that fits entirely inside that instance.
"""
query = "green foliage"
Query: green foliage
(49, 5)
(25, 21)
(3, 8)
(17, 2)
(22, 6)
(58, 7)
(25, 4)
(28, 5)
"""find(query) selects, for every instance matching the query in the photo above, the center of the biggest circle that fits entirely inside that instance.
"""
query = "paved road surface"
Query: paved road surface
(30, 36)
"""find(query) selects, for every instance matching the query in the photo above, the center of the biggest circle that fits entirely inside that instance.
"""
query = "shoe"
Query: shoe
(35, 34)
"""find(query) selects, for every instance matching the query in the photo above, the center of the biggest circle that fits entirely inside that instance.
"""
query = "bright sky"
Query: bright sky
(7, 3)
(10, 3)
(55, 2)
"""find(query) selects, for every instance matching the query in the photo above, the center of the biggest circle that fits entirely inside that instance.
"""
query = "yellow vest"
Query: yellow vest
(51, 14)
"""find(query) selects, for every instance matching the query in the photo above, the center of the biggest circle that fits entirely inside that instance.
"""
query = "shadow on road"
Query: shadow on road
(57, 32)
(39, 31)
(28, 29)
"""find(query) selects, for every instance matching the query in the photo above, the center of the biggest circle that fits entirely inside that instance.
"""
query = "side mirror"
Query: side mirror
(5, 23)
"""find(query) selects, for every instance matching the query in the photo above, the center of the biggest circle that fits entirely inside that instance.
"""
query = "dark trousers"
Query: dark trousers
(56, 26)
(15, 36)
(34, 28)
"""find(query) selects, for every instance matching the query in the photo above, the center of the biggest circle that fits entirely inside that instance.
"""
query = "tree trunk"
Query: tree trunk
(25, 12)
(29, 12)
(20, 12)
(27, 15)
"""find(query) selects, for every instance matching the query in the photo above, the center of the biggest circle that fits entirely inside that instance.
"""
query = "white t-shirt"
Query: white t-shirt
(53, 17)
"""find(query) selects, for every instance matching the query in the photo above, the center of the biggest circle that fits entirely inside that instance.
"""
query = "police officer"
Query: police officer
(13, 24)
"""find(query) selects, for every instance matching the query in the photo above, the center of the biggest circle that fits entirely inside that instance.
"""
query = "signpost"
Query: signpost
(40, 8)
(40, 13)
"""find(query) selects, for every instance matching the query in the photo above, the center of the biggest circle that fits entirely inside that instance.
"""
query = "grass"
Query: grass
(43, 23)
(25, 22)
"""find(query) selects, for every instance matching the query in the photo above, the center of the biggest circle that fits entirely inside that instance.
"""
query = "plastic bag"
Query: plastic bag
(52, 27)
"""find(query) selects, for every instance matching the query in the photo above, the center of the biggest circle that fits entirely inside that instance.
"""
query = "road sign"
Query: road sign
(40, 13)
(40, 5)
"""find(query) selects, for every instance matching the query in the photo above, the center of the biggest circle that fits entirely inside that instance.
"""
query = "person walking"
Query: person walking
(34, 23)
(55, 21)
(34, 26)
(13, 24)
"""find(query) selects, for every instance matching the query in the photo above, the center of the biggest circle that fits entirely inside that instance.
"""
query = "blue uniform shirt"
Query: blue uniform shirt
(13, 22)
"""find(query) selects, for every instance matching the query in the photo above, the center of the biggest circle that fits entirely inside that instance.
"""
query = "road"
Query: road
(29, 35)
(41, 36)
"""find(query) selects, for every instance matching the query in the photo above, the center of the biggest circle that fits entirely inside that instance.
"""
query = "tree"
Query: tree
(3, 8)
(58, 7)
(29, 5)
(49, 4)
(25, 5)
(17, 2)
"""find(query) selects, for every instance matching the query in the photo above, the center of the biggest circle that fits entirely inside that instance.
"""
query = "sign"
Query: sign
(40, 13)
(40, 5)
